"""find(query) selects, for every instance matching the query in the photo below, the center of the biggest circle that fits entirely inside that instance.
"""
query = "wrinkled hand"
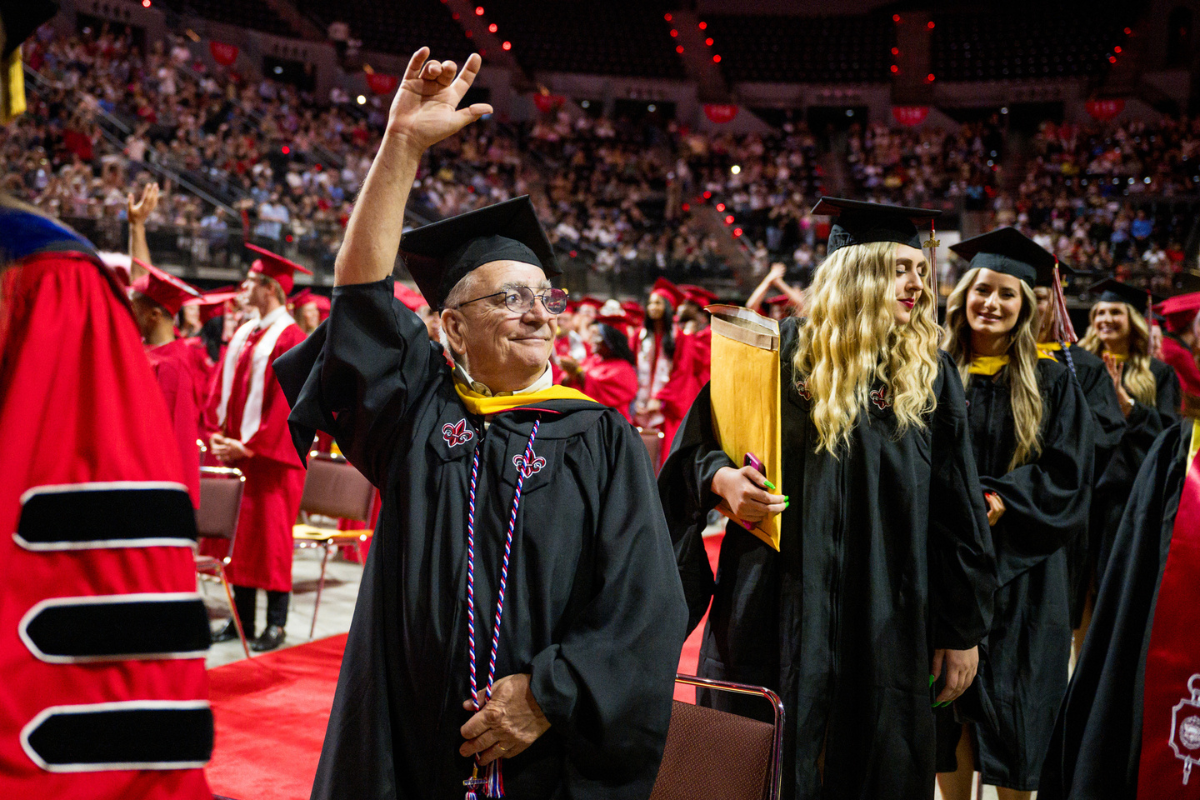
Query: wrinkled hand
(228, 450)
(425, 109)
(996, 507)
(140, 211)
(960, 666)
(744, 494)
(507, 724)
(1116, 371)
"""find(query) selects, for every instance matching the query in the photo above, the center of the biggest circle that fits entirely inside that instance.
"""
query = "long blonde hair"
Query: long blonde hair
(1025, 398)
(1138, 378)
(850, 339)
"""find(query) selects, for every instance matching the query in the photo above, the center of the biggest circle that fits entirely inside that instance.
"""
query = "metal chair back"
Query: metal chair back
(334, 488)
(220, 502)
(722, 756)
(654, 445)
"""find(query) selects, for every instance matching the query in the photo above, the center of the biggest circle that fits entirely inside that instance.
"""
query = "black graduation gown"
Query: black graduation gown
(1024, 662)
(1144, 425)
(885, 554)
(594, 611)
(1097, 740)
(1109, 427)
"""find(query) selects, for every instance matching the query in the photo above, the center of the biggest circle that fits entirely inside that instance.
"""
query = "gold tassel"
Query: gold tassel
(12, 88)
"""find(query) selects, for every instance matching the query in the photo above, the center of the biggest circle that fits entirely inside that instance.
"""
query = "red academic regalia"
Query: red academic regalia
(611, 382)
(94, 507)
(1176, 354)
(173, 369)
(689, 372)
(251, 408)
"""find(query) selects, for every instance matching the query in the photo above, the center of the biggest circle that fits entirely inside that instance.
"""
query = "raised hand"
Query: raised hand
(141, 210)
(425, 109)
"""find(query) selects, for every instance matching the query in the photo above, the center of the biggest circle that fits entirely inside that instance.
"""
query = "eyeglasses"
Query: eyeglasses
(520, 300)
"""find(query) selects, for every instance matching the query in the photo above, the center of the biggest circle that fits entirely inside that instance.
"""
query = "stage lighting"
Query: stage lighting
(735, 169)
(720, 206)
(729, 219)
(737, 232)
(506, 46)
(479, 11)
(716, 59)
(493, 28)
(362, 100)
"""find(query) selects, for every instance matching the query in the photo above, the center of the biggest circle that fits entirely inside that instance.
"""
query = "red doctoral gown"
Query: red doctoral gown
(102, 633)
(173, 369)
(1180, 358)
(251, 408)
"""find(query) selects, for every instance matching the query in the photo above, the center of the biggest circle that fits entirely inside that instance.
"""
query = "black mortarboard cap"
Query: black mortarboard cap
(859, 222)
(440, 254)
(1010, 252)
(21, 18)
(1111, 290)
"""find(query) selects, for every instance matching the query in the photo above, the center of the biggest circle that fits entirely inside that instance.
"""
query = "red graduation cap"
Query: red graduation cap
(306, 296)
(778, 300)
(412, 299)
(669, 291)
(276, 267)
(588, 300)
(698, 294)
(618, 321)
(163, 288)
(634, 312)
(1179, 310)
(212, 304)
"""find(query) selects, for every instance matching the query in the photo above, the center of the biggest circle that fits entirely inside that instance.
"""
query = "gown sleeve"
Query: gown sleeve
(357, 375)
(607, 684)
(685, 489)
(1168, 395)
(1102, 401)
(1046, 501)
(961, 559)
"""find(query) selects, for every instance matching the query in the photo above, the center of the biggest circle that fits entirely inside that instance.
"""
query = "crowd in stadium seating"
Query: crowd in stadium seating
(618, 192)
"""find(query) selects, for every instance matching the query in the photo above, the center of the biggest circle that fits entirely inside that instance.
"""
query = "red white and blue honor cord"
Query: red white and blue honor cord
(492, 783)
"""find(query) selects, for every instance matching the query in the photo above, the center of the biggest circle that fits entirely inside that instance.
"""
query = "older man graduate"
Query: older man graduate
(519, 621)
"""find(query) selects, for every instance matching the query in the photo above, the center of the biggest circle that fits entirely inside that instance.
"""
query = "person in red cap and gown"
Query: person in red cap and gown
(608, 375)
(253, 436)
(309, 309)
(668, 366)
(98, 528)
(1178, 346)
(156, 297)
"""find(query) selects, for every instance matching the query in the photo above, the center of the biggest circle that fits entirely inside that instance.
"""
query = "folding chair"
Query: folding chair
(654, 445)
(719, 755)
(332, 488)
(217, 518)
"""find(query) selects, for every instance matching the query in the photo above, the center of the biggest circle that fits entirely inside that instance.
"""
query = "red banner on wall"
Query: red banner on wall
(382, 83)
(224, 54)
(910, 115)
(1104, 110)
(720, 113)
(548, 102)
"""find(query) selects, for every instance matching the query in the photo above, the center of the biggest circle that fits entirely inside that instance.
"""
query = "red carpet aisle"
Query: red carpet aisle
(270, 717)
(690, 656)
(271, 714)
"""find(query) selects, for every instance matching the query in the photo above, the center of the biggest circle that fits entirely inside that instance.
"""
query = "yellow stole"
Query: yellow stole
(1120, 359)
(1048, 347)
(990, 365)
(485, 406)
(1194, 447)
